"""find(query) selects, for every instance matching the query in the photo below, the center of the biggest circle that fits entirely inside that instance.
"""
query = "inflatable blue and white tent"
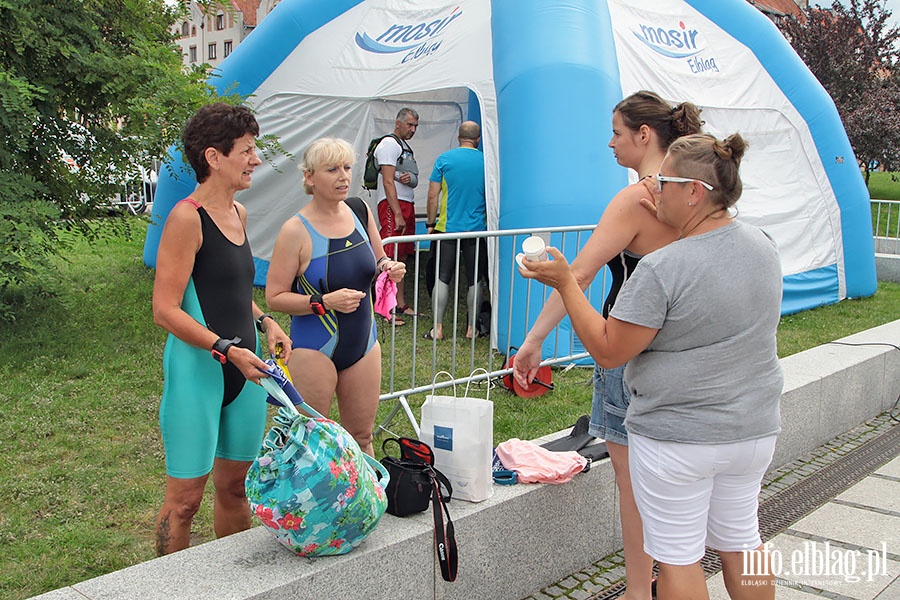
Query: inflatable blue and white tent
(542, 77)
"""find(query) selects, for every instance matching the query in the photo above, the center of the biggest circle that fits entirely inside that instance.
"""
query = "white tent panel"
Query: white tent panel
(675, 50)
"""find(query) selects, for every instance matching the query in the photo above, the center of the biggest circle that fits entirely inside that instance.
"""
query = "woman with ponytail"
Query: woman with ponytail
(696, 323)
(644, 126)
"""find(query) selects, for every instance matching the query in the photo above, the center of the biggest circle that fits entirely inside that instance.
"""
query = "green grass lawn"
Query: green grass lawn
(885, 218)
(884, 186)
(81, 467)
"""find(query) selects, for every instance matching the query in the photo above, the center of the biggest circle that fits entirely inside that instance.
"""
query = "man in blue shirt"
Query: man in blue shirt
(456, 204)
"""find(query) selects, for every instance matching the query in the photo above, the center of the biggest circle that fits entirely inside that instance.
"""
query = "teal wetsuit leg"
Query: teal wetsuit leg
(194, 424)
(243, 424)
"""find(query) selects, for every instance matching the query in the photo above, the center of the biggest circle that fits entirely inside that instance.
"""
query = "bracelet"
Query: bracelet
(259, 321)
(379, 266)
(431, 224)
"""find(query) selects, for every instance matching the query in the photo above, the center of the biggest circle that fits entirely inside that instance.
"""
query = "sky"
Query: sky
(894, 7)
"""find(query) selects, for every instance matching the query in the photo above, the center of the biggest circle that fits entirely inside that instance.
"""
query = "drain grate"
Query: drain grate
(792, 504)
(789, 506)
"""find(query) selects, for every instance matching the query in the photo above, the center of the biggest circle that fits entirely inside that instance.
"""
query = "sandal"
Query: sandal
(394, 320)
(429, 335)
(402, 310)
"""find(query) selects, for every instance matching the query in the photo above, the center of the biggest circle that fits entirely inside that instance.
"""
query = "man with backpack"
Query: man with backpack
(397, 178)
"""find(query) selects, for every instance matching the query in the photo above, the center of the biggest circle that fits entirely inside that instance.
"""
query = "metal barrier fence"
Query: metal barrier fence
(411, 371)
(886, 226)
(413, 361)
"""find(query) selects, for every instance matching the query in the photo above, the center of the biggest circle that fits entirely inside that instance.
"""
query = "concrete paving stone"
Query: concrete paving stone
(892, 592)
(888, 477)
(853, 525)
(607, 564)
(716, 586)
(892, 468)
(790, 480)
(849, 571)
(875, 492)
(581, 576)
(593, 588)
(603, 582)
(579, 595)
(613, 575)
(554, 591)
(568, 583)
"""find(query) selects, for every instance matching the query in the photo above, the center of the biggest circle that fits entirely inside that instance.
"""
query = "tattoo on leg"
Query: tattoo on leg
(162, 536)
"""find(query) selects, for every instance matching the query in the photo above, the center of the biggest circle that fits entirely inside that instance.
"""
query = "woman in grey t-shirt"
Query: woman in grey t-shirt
(697, 321)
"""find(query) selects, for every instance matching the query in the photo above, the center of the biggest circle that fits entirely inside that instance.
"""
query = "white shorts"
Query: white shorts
(696, 495)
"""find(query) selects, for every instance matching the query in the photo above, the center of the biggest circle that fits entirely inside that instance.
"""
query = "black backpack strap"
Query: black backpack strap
(384, 444)
(404, 147)
(361, 210)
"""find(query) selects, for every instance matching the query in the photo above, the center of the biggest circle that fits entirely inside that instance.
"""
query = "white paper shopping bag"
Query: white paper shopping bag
(460, 429)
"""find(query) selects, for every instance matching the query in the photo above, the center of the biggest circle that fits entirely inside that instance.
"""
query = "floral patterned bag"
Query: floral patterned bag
(311, 485)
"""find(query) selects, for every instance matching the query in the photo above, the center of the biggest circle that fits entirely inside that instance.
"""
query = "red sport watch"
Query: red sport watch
(317, 304)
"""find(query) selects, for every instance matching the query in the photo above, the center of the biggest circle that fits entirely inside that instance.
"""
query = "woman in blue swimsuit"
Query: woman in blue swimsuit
(212, 419)
(321, 272)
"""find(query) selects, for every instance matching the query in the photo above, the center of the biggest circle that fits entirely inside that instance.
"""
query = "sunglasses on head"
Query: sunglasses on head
(661, 179)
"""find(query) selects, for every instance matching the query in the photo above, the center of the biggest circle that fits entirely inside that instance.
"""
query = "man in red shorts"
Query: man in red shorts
(397, 179)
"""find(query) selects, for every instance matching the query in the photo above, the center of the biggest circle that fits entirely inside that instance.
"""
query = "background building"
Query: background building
(780, 9)
(210, 36)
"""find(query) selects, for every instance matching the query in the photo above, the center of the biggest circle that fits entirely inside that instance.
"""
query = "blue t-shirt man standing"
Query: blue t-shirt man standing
(456, 204)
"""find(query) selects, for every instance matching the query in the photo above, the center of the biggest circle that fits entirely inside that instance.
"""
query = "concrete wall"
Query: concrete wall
(523, 538)
(887, 267)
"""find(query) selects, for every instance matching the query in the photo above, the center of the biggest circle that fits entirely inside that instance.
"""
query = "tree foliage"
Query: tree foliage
(854, 52)
(98, 82)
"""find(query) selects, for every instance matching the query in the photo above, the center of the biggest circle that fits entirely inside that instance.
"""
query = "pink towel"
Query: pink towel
(534, 464)
(385, 295)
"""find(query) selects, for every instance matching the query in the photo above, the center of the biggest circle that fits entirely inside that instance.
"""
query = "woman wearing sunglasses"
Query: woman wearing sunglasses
(697, 321)
(644, 125)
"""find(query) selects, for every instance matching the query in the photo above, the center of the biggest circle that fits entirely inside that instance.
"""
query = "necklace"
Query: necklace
(699, 223)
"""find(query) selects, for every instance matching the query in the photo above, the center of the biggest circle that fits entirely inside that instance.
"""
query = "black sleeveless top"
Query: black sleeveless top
(621, 266)
(223, 277)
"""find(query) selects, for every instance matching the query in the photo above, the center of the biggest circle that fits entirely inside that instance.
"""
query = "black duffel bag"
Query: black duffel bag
(412, 477)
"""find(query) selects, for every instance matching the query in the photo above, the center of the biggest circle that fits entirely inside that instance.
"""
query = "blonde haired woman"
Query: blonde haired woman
(321, 273)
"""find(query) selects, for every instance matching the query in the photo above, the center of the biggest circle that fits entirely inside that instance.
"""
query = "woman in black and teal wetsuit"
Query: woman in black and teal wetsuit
(212, 420)
(321, 272)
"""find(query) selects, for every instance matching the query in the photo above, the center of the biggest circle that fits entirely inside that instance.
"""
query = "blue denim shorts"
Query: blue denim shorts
(609, 405)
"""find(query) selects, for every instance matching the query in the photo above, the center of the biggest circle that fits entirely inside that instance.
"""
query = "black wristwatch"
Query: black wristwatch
(317, 304)
(259, 322)
(220, 348)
